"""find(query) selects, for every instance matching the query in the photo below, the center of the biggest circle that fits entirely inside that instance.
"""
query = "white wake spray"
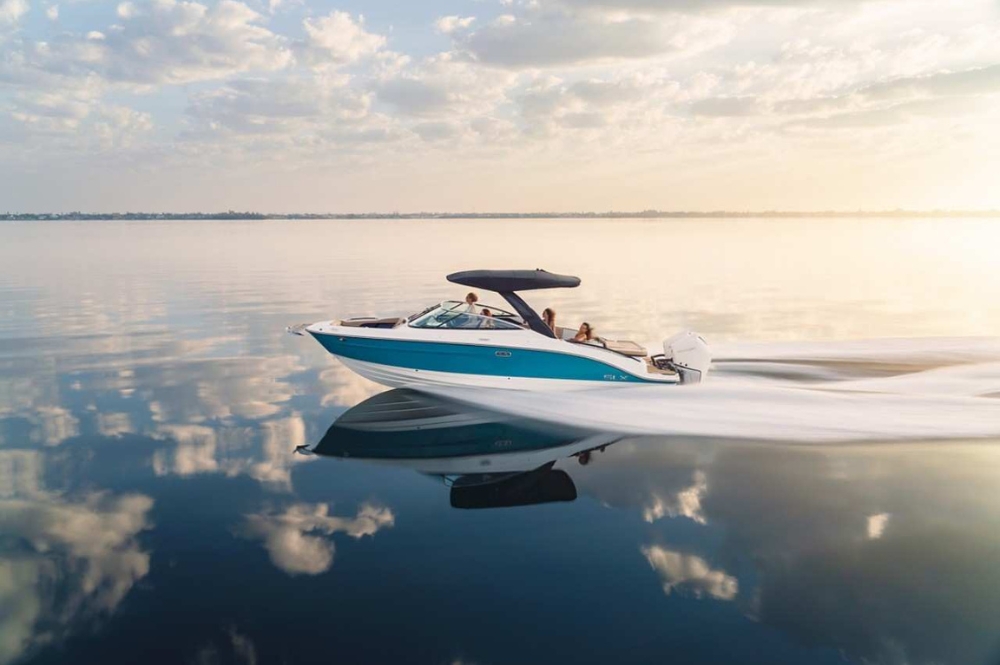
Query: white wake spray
(886, 390)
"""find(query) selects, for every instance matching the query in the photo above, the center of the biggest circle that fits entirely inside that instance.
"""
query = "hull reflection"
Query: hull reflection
(486, 459)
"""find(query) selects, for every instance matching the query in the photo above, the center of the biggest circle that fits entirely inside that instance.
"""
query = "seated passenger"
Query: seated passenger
(549, 317)
(487, 320)
(585, 334)
(471, 299)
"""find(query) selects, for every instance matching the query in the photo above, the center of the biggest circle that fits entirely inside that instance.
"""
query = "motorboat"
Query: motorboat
(458, 344)
(486, 459)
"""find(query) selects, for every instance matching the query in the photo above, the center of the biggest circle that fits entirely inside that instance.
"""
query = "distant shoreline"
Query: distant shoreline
(644, 214)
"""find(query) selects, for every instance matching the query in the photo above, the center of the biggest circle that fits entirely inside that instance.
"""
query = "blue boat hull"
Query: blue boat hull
(473, 359)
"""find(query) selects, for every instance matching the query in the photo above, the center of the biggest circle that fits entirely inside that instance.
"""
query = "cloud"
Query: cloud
(11, 11)
(449, 24)
(414, 96)
(665, 6)
(437, 131)
(294, 539)
(900, 101)
(549, 105)
(163, 42)
(666, 89)
(722, 107)
(307, 108)
(338, 38)
(566, 39)
(687, 572)
(444, 86)
(978, 81)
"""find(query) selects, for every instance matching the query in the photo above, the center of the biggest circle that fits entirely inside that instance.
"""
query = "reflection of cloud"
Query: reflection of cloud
(345, 388)
(20, 473)
(863, 549)
(690, 572)
(68, 559)
(281, 438)
(238, 649)
(775, 503)
(57, 424)
(687, 503)
(195, 451)
(245, 387)
(917, 594)
(202, 449)
(198, 390)
(113, 424)
(294, 539)
(877, 524)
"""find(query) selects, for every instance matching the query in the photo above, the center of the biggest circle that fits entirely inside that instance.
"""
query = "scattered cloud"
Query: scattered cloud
(562, 38)
(671, 90)
(76, 558)
(11, 11)
(690, 573)
(201, 449)
(686, 503)
(297, 539)
(162, 42)
(449, 24)
(338, 38)
(876, 525)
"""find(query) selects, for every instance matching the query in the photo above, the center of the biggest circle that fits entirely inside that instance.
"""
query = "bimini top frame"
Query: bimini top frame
(506, 282)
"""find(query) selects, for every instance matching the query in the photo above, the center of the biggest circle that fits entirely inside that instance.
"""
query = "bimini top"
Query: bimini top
(507, 281)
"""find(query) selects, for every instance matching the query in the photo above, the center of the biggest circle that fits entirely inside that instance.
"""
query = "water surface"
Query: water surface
(152, 508)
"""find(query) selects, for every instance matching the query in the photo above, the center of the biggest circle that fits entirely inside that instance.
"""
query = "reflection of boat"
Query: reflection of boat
(456, 344)
(486, 459)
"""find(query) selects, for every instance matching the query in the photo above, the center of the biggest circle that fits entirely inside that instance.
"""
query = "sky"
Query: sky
(498, 105)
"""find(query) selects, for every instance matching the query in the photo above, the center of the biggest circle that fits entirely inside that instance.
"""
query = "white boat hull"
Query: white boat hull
(404, 377)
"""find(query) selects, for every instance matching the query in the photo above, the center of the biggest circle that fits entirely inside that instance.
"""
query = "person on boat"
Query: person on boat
(471, 299)
(585, 334)
(487, 320)
(549, 317)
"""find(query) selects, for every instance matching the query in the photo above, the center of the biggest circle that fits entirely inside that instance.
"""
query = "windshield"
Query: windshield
(453, 314)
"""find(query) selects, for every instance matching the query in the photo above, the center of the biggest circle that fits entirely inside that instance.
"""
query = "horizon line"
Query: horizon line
(609, 214)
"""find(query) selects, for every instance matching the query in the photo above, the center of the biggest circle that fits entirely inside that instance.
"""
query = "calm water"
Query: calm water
(152, 508)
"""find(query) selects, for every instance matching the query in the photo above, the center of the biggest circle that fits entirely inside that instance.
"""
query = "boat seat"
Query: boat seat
(625, 347)
(372, 322)
(565, 333)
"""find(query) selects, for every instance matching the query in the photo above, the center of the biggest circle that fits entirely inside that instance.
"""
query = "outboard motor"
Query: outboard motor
(687, 354)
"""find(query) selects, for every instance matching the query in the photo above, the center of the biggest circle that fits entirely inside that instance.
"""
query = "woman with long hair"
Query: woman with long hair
(471, 299)
(549, 317)
(585, 334)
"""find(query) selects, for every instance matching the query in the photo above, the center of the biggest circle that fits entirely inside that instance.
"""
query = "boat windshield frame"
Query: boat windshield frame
(459, 318)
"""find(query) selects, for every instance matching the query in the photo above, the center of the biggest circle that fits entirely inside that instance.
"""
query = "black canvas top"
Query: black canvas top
(513, 280)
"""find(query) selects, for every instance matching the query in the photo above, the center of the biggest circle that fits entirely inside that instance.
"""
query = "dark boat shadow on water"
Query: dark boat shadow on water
(487, 459)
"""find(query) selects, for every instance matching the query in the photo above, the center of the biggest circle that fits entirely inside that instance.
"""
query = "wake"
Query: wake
(816, 392)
